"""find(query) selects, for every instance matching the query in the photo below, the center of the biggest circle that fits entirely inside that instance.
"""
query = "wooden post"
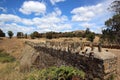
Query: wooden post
(99, 47)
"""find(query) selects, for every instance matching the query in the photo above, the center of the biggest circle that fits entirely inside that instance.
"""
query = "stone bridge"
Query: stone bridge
(96, 63)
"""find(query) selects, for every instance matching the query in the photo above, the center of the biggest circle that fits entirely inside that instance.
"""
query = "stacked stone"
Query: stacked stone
(95, 63)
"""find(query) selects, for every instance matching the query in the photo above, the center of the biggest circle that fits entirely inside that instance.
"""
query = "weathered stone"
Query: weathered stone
(96, 64)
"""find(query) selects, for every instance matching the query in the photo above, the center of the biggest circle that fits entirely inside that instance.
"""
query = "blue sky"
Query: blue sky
(53, 15)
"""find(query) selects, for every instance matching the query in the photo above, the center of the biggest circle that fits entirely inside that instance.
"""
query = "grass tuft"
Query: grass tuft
(5, 57)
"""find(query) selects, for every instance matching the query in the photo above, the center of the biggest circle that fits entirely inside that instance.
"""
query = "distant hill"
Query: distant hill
(79, 31)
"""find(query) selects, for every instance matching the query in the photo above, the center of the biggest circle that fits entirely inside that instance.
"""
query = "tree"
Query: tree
(35, 34)
(91, 37)
(87, 31)
(10, 34)
(49, 35)
(26, 36)
(115, 6)
(2, 34)
(112, 31)
(32, 36)
(20, 35)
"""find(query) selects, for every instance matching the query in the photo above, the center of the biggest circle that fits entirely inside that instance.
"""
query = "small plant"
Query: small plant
(5, 57)
(31, 78)
(112, 77)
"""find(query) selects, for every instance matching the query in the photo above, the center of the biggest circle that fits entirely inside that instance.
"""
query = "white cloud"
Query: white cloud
(9, 18)
(3, 9)
(56, 1)
(92, 17)
(86, 16)
(86, 13)
(53, 21)
(16, 28)
(87, 25)
(30, 7)
(27, 22)
(92, 26)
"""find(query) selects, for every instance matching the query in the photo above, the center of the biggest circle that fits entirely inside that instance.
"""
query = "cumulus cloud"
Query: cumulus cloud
(9, 18)
(92, 26)
(35, 7)
(16, 28)
(56, 1)
(3, 9)
(86, 13)
(53, 21)
(87, 25)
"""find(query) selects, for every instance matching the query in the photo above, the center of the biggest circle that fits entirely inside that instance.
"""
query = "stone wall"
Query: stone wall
(95, 64)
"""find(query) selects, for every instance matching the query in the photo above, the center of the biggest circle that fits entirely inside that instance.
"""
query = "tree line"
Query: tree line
(10, 34)
(50, 35)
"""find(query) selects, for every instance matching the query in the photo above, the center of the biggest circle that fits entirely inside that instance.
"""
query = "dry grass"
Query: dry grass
(10, 71)
(13, 46)
(117, 53)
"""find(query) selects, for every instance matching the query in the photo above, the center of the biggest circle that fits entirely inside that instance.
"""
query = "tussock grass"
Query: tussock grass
(5, 57)
(11, 72)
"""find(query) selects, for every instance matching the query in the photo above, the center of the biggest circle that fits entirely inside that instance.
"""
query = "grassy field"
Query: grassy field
(9, 70)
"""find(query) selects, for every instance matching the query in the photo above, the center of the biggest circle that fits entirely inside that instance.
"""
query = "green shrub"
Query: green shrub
(57, 73)
(5, 57)
(31, 78)
(90, 37)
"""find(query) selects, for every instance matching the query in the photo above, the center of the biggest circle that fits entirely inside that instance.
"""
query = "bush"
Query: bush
(49, 35)
(2, 34)
(5, 57)
(90, 37)
(34, 35)
(55, 73)
(20, 35)
(10, 34)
